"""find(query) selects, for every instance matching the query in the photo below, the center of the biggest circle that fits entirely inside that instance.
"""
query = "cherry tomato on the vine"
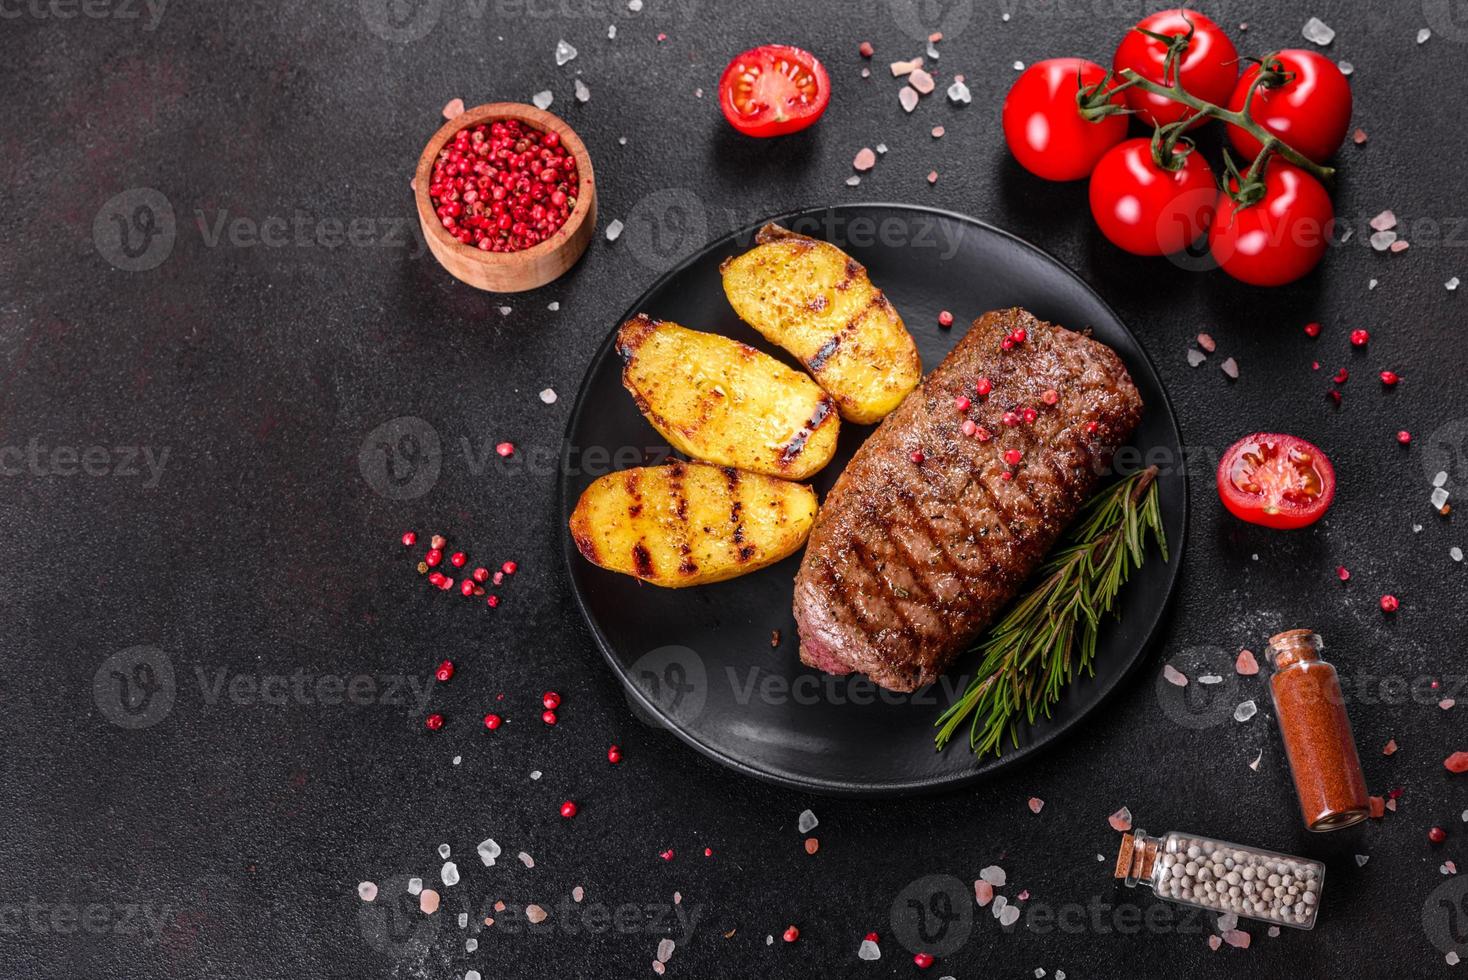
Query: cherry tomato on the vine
(1044, 127)
(1146, 209)
(1279, 238)
(1207, 69)
(1277, 481)
(1310, 111)
(774, 89)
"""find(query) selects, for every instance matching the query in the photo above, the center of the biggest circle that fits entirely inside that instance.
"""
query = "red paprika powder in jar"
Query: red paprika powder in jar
(1317, 734)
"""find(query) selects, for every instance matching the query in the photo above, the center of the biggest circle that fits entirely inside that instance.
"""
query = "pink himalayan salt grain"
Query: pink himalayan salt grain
(1121, 819)
(1390, 747)
(921, 81)
(1036, 804)
(932, 176)
(453, 109)
(1024, 896)
(428, 901)
(1246, 664)
(535, 914)
(1174, 676)
(865, 159)
(938, 132)
(1457, 762)
(1446, 703)
(1237, 938)
(658, 968)
(1214, 942)
(983, 892)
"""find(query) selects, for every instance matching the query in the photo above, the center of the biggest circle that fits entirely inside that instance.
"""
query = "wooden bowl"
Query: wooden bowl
(509, 272)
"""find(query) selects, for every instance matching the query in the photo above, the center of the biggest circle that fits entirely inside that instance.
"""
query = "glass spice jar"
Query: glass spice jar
(1223, 877)
(1317, 734)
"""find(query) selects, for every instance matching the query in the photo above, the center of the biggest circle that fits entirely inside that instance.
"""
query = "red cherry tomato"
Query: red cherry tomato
(1310, 111)
(1207, 69)
(1146, 209)
(773, 90)
(1044, 127)
(1276, 480)
(1278, 239)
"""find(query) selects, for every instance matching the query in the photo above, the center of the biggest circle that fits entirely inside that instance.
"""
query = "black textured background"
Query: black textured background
(263, 549)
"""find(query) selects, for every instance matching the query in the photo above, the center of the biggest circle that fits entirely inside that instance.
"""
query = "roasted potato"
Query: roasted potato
(724, 402)
(684, 524)
(816, 301)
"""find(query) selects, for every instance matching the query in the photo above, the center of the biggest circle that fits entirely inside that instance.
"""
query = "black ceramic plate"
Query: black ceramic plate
(701, 660)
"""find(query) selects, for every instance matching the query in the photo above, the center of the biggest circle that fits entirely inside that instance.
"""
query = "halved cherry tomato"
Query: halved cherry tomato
(1278, 239)
(1044, 127)
(1145, 209)
(1276, 480)
(1310, 111)
(774, 89)
(1207, 69)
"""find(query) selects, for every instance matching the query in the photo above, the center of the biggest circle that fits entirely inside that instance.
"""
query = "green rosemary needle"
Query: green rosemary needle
(1049, 634)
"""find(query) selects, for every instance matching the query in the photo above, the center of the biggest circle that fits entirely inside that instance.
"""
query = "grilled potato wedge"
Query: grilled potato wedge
(684, 524)
(816, 301)
(724, 402)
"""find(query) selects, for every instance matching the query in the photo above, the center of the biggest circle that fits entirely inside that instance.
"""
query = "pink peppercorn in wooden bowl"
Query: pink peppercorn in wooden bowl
(517, 268)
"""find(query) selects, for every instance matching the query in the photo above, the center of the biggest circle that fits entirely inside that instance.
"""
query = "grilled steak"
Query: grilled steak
(909, 561)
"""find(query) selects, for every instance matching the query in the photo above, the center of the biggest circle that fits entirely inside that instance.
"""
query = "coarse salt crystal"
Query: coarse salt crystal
(1246, 664)
(526, 859)
(564, 52)
(548, 396)
(1423, 35)
(453, 109)
(1317, 31)
(984, 891)
(1346, 67)
(852, 181)
(921, 81)
(535, 914)
(367, 891)
(1245, 711)
(1384, 221)
(444, 850)
(1440, 478)
(611, 32)
(1451, 284)
(868, 950)
(583, 91)
(1230, 368)
(665, 950)
(488, 851)
(614, 229)
(634, 5)
(542, 99)
(1273, 932)
(1196, 357)
(1121, 819)
(1361, 860)
(1455, 553)
(471, 974)
(1451, 958)
(908, 97)
(428, 901)
(1036, 804)
(1214, 942)
(1439, 498)
(1255, 764)
(1019, 66)
(998, 907)
(932, 176)
(1009, 916)
(1210, 679)
(1206, 342)
(1174, 676)
(1382, 240)
(881, 148)
(577, 894)
(1237, 938)
(900, 68)
(806, 822)
(938, 132)
(959, 93)
(1446, 703)
(470, 945)
(1228, 922)
(865, 159)
(450, 873)
(1390, 747)
(415, 886)
(994, 875)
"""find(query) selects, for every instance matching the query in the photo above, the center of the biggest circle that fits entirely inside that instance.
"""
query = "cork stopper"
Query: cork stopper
(1293, 646)
(1136, 857)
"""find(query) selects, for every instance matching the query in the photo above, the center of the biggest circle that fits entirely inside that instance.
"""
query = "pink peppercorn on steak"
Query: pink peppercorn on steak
(956, 498)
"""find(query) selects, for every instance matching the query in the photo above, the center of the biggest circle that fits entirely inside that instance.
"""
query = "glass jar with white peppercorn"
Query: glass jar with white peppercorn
(1223, 877)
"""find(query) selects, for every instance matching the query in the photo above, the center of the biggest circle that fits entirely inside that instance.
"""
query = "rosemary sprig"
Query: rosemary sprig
(1030, 655)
